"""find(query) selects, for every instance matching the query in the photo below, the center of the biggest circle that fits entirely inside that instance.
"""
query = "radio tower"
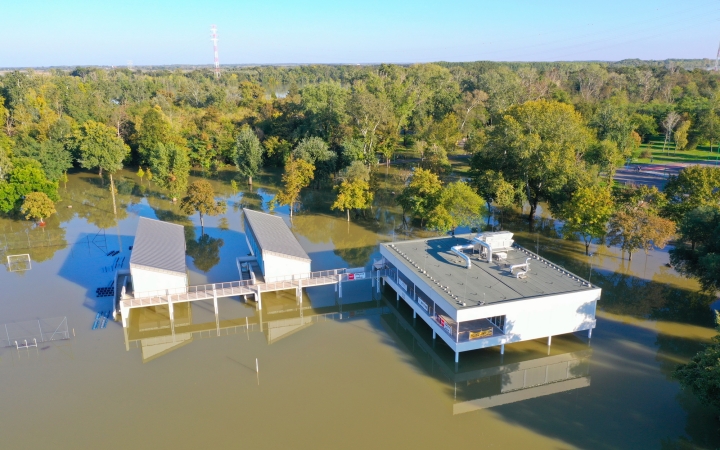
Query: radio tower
(214, 39)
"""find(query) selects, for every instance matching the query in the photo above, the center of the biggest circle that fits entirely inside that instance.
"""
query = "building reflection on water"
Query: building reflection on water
(150, 328)
(485, 378)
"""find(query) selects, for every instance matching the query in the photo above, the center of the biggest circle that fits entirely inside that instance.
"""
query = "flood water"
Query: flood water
(333, 373)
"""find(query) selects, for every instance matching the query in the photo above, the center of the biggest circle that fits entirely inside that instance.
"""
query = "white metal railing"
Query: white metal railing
(224, 289)
(202, 288)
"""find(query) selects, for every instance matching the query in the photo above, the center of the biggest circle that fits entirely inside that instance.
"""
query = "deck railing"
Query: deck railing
(244, 287)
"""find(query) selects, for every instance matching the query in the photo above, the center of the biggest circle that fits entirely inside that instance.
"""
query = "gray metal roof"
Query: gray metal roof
(273, 235)
(159, 245)
(484, 282)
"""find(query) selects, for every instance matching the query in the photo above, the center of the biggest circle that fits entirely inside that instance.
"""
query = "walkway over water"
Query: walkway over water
(246, 287)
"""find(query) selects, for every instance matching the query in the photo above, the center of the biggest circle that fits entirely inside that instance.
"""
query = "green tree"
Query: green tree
(587, 213)
(154, 128)
(636, 224)
(298, 175)
(37, 206)
(493, 188)
(681, 135)
(537, 145)
(99, 147)
(458, 206)
(316, 152)
(613, 123)
(249, 153)
(325, 109)
(276, 150)
(702, 374)
(436, 159)
(700, 228)
(606, 156)
(26, 176)
(140, 173)
(644, 124)
(52, 155)
(352, 195)
(422, 194)
(694, 186)
(709, 126)
(171, 166)
(200, 198)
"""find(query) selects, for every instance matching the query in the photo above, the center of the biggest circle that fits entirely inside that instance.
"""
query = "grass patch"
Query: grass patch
(670, 155)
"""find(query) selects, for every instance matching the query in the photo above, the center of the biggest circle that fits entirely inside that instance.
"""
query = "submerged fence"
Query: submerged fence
(41, 330)
(31, 239)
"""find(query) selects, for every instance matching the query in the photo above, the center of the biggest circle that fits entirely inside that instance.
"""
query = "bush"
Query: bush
(646, 154)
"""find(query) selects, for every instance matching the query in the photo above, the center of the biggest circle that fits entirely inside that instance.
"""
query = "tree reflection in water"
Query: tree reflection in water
(205, 251)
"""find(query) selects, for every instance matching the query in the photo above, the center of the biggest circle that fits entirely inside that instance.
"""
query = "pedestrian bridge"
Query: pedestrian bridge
(253, 287)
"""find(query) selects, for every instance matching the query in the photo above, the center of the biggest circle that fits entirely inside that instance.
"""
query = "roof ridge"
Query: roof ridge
(158, 220)
(261, 212)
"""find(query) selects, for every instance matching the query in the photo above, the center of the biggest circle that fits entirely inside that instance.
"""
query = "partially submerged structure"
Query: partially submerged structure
(158, 257)
(485, 290)
(278, 252)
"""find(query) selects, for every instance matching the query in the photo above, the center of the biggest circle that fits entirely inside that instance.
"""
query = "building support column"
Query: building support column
(125, 314)
(258, 299)
(590, 333)
(377, 280)
(434, 334)
(414, 313)
(340, 288)
(549, 340)
(217, 316)
(457, 356)
(502, 349)
(171, 309)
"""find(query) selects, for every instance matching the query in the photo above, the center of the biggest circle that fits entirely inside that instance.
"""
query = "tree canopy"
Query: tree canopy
(37, 206)
(99, 147)
(249, 153)
(298, 175)
(537, 145)
(200, 198)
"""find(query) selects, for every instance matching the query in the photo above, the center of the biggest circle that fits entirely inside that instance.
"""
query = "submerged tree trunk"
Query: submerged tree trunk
(112, 190)
(533, 209)
(250, 181)
(348, 214)
(202, 226)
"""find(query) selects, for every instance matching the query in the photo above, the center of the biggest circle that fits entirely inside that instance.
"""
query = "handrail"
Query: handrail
(243, 287)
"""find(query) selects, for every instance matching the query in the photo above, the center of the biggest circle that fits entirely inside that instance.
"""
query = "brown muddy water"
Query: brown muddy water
(354, 373)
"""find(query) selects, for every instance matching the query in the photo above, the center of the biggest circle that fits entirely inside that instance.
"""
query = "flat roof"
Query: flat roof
(159, 246)
(273, 235)
(483, 283)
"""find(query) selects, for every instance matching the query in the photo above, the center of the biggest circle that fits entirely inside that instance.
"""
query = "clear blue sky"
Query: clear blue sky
(101, 32)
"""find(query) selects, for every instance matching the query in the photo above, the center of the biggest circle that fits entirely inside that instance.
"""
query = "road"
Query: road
(650, 174)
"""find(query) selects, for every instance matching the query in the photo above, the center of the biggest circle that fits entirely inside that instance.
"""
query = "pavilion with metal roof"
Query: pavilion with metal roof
(158, 257)
(272, 242)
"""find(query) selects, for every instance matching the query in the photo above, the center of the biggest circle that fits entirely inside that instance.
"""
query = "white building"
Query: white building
(473, 303)
(158, 257)
(277, 250)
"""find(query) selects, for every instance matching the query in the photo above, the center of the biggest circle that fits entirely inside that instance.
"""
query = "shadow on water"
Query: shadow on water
(594, 394)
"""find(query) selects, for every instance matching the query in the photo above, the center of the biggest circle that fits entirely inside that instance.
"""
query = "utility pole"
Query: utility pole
(214, 39)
